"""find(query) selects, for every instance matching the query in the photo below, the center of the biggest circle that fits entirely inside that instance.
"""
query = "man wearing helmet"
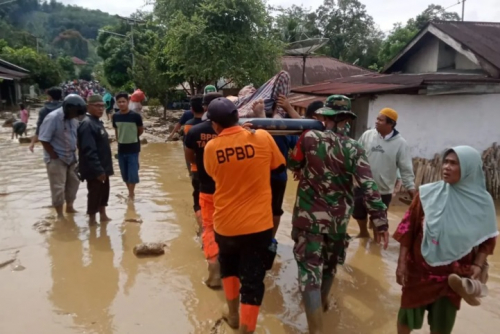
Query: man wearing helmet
(329, 162)
(58, 137)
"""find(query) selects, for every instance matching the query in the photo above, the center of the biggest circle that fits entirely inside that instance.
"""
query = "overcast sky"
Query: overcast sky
(385, 12)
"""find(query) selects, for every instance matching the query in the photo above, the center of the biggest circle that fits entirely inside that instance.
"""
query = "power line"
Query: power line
(458, 3)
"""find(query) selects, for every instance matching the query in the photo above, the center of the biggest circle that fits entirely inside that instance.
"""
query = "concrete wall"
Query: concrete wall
(425, 60)
(431, 124)
(446, 58)
(360, 108)
(462, 63)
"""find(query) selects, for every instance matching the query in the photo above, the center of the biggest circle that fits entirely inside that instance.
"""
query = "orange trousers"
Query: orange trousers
(210, 247)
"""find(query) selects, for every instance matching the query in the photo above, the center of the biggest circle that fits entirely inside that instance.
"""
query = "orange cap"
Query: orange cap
(389, 113)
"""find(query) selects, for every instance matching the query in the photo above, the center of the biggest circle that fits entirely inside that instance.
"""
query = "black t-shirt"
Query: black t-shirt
(196, 139)
(127, 126)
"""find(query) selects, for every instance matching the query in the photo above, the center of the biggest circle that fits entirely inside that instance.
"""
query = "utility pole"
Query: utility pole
(463, 9)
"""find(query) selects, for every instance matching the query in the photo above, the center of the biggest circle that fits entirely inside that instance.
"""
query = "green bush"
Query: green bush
(154, 107)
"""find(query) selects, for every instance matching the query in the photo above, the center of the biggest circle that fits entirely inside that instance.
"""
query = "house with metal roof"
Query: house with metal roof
(10, 83)
(445, 85)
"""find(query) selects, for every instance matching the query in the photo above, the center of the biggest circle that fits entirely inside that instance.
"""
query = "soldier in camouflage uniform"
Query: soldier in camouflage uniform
(329, 162)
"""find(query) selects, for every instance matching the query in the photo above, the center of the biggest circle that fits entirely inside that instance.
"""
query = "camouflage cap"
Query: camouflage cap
(336, 105)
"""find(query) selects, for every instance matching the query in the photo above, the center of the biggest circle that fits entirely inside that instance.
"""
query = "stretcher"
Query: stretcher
(283, 126)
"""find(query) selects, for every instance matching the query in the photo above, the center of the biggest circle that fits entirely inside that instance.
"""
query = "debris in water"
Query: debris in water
(24, 140)
(6, 263)
(144, 141)
(150, 249)
(218, 327)
(17, 266)
(43, 226)
(134, 220)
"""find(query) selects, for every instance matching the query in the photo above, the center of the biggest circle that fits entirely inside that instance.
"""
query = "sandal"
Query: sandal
(469, 289)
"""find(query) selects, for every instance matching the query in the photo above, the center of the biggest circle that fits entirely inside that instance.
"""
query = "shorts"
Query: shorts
(98, 195)
(317, 256)
(360, 212)
(441, 316)
(278, 188)
(245, 257)
(129, 167)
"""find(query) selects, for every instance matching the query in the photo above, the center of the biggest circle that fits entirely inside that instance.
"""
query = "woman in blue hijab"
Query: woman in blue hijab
(450, 228)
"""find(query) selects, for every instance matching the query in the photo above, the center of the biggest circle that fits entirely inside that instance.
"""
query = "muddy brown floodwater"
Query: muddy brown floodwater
(87, 280)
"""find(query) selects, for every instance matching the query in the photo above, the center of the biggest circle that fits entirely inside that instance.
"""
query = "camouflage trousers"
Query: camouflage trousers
(317, 256)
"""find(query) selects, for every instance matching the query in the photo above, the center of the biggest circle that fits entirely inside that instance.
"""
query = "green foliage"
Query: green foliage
(43, 70)
(396, 41)
(147, 76)
(50, 22)
(117, 54)
(68, 68)
(296, 23)
(401, 35)
(432, 13)
(154, 106)
(208, 40)
(71, 42)
(3, 44)
(86, 73)
(101, 77)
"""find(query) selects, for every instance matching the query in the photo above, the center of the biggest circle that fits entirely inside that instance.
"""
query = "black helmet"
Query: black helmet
(74, 102)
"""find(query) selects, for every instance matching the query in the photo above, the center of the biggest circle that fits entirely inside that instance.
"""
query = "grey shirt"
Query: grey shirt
(61, 134)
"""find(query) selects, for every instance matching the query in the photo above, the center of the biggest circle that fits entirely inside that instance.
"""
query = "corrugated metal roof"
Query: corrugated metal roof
(482, 38)
(318, 69)
(13, 67)
(12, 74)
(379, 83)
(303, 100)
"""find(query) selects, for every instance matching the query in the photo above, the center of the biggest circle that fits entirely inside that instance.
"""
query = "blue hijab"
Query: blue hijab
(460, 216)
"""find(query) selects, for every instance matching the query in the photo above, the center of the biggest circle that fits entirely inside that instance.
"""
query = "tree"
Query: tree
(73, 44)
(432, 13)
(296, 23)
(352, 34)
(395, 42)
(86, 73)
(66, 64)
(117, 55)
(43, 70)
(208, 40)
(401, 35)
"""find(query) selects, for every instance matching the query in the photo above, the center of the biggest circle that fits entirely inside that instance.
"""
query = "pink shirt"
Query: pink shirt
(24, 116)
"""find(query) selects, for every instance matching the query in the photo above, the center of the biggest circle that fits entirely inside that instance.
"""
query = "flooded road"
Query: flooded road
(80, 279)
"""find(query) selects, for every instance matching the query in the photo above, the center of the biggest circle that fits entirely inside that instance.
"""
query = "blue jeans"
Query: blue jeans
(129, 167)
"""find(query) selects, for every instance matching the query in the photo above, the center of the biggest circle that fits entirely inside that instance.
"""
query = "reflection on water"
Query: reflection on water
(82, 279)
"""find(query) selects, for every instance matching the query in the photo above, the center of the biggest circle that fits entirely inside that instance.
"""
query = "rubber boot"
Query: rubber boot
(231, 313)
(213, 281)
(326, 286)
(314, 311)
(248, 319)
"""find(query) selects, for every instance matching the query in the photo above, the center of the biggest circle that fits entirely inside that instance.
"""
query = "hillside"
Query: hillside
(60, 29)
